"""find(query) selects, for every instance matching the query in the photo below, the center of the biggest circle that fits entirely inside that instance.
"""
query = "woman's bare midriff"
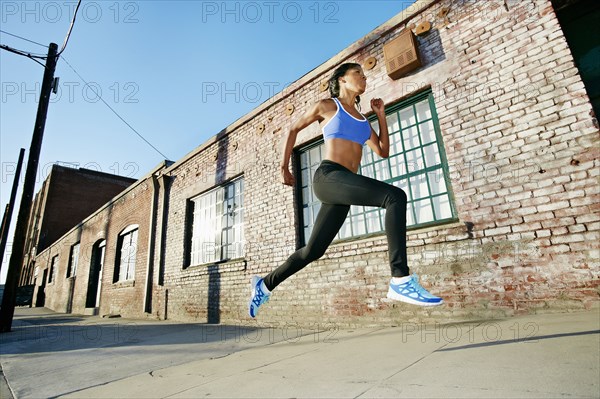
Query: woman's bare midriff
(344, 152)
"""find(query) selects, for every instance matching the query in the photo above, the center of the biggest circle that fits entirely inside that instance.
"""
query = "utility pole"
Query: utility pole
(7, 310)
(9, 208)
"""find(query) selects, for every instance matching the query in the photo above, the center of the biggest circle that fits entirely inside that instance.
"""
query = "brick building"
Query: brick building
(493, 138)
(104, 258)
(67, 196)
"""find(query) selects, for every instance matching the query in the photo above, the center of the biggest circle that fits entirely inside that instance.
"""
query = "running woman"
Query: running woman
(337, 185)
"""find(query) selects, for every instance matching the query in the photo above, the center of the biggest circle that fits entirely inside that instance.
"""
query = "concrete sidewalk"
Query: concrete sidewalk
(539, 356)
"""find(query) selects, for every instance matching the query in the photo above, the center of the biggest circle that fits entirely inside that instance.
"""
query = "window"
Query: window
(53, 267)
(73, 261)
(95, 275)
(417, 164)
(215, 225)
(126, 254)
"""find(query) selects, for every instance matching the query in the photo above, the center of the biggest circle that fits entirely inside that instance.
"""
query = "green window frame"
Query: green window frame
(417, 164)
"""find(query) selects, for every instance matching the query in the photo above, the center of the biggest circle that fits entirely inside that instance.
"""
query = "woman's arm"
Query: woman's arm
(311, 115)
(380, 144)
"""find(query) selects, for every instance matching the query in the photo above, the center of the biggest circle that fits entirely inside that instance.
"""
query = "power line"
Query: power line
(115, 112)
(23, 53)
(22, 38)
(70, 29)
(32, 55)
(27, 54)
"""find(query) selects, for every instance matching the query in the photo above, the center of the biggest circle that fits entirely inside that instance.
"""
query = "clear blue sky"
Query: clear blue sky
(177, 71)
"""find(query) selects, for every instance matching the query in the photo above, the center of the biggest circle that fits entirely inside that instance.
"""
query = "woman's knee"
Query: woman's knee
(396, 194)
(312, 253)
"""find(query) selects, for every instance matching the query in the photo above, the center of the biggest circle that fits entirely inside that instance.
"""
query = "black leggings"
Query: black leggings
(337, 188)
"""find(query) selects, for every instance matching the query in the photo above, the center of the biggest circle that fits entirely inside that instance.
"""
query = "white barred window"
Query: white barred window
(126, 254)
(73, 260)
(216, 225)
(53, 268)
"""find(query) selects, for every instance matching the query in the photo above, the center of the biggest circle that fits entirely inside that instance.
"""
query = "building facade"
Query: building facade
(67, 196)
(493, 138)
(100, 265)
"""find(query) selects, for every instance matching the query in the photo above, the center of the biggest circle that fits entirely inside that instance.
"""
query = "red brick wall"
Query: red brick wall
(126, 299)
(517, 130)
(67, 197)
(522, 150)
(73, 195)
(526, 128)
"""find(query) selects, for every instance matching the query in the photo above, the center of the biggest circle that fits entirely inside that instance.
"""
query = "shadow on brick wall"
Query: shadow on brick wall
(214, 295)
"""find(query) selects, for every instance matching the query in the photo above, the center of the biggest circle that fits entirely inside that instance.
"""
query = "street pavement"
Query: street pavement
(553, 355)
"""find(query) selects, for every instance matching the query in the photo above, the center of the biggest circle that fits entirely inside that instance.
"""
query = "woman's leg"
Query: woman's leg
(347, 188)
(329, 220)
(338, 188)
(342, 186)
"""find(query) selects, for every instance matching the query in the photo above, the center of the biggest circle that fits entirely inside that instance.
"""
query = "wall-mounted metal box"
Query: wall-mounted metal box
(401, 55)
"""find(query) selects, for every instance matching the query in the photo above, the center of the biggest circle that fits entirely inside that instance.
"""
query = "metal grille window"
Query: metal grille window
(216, 225)
(417, 164)
(126, 254)
(53, 267)
(73, 261)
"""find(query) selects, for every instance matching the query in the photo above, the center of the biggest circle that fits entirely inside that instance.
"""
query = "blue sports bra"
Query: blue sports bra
(344, 126)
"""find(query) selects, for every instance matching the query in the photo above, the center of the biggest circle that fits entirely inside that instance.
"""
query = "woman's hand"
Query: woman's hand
(380, 143)
(287, 178)
(377, 106)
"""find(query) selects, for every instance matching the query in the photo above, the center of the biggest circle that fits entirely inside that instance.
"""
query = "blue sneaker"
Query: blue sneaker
(412, 292)
(258, 296)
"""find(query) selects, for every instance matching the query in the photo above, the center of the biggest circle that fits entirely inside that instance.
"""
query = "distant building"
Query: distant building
(67, 196)
(493, 138)
(104, 258)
